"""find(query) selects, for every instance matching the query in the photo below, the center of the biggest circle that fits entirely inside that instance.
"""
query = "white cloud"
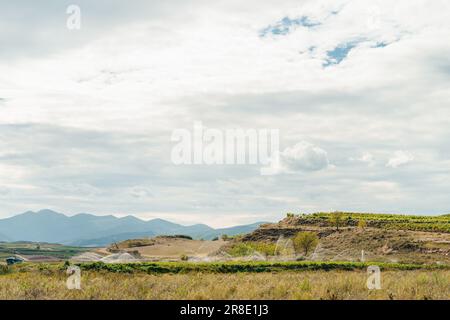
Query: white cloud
(367, 158)
(400, 158)
(304, 156)
(140, 192)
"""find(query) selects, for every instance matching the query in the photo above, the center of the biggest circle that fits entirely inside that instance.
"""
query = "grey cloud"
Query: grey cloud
(280, 104)
(38, 28)
(4, 191)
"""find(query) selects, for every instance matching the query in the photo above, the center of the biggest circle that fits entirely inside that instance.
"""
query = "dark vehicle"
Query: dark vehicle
(13, 260)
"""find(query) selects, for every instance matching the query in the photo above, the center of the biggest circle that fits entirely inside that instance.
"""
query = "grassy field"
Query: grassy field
(232, 280)
(330, 285)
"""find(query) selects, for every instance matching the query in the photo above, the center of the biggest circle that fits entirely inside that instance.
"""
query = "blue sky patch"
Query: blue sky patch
(338, 54)
(381, 45)
(285, 25)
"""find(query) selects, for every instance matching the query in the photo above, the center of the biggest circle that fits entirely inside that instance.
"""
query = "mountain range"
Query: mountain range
(91, 230)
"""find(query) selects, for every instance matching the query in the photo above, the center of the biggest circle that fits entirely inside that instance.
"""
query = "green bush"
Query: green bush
(242, 249)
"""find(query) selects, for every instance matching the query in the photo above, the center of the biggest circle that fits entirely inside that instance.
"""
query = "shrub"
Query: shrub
(242, 249)
(4, 269)
(305, 241)
(181, 236)
(362, 224)
(184, 257)
(337, 219)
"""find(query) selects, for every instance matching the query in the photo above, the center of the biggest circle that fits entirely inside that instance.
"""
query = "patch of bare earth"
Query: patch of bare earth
(171, 248)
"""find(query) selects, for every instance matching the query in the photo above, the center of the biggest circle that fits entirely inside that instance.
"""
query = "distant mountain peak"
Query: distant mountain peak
(87, 229)
(82, 215)
(131, 218)
(158, 220)
(49, 212)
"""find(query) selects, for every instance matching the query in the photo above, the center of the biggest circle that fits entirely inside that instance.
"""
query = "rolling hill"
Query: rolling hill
(91, 230)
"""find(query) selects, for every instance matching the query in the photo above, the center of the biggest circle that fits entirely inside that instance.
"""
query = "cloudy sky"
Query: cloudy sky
(359, 90)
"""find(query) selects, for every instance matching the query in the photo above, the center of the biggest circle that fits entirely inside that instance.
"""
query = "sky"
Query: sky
(359, 91)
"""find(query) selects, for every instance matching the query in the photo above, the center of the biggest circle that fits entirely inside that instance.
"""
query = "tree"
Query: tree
(362, 224)
(305, 241)
(337, 219)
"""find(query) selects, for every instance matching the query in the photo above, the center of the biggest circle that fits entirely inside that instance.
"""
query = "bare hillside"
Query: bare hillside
(382, 238)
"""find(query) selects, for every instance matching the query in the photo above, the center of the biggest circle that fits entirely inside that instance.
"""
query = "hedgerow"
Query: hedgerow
(253, 266)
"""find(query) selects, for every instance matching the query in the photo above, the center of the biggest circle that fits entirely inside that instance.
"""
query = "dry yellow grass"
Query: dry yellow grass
(283, 285)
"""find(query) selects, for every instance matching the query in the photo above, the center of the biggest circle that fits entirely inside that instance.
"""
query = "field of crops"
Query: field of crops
(35, 249)
(387, 221)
